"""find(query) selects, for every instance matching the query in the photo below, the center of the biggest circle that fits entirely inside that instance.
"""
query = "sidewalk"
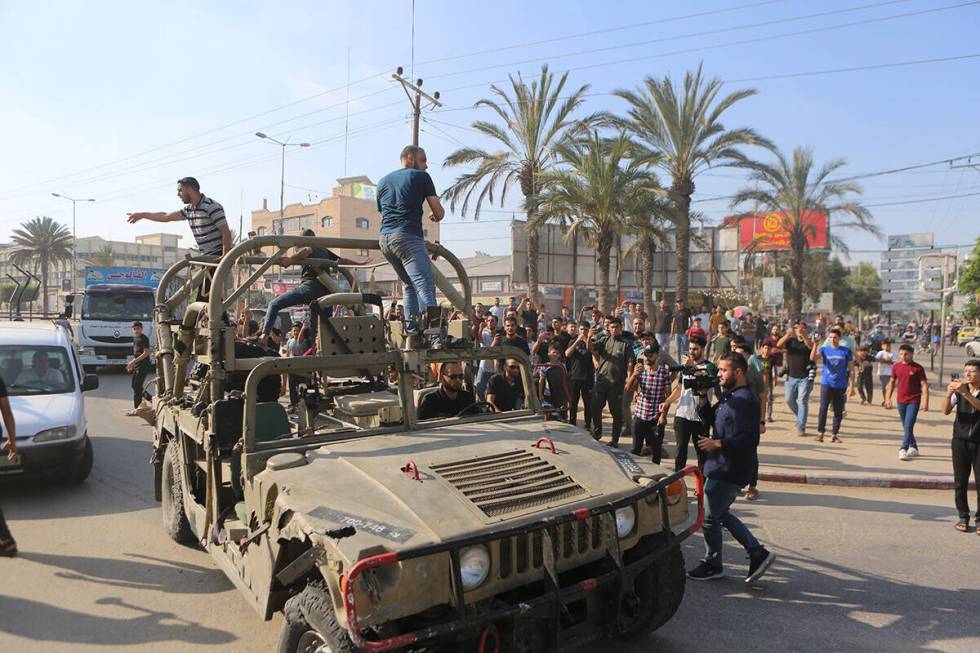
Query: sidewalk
(868, 455)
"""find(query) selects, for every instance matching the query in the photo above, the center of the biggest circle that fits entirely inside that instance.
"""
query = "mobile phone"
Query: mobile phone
(955, 376)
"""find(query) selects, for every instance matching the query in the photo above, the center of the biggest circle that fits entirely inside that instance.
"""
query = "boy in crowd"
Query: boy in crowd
(909, 378)
(885, 358)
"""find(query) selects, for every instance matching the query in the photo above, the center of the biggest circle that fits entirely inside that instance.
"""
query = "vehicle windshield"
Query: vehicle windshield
(36, 370)
(117, 306)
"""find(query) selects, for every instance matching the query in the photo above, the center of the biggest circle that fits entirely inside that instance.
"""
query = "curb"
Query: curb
(885, 481)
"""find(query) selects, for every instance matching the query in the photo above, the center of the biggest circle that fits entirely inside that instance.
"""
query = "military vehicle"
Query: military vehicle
(373, 530)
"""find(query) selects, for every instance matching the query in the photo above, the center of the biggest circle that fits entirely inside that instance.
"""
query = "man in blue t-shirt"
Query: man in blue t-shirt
(400, 198)
(836, 372)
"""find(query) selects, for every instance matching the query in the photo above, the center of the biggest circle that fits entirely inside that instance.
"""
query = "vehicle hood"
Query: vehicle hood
(362, 483)
(36, 413)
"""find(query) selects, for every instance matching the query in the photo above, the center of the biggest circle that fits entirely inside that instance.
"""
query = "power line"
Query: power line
(920, 201)
(719, 31)
(609, 30)
(854, 69)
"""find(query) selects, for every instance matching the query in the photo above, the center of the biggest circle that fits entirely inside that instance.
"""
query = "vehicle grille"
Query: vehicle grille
(518, 554)
(111, 352)
(112, 340)
(509, 482)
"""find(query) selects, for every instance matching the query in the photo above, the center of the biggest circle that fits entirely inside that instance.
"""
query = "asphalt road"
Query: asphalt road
(860, 569)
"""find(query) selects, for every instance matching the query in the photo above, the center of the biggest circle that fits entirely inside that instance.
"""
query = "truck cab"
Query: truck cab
(101, 318)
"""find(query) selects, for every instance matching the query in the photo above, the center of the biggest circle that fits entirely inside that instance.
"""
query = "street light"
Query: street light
(74, 241)
(948, 286)
(282, 174)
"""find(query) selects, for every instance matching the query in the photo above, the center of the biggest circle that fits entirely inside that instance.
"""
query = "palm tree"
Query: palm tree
(683, 128)
(536, 121)
(596, 185)
(647, 223)
(795, 189)
(104, 257)
(43, 242)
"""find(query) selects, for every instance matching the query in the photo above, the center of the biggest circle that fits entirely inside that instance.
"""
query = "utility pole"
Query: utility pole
(74, 237)
(415, 96)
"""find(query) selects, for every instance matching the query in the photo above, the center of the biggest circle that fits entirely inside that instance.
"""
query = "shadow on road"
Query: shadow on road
(42, 622)
(135, 571)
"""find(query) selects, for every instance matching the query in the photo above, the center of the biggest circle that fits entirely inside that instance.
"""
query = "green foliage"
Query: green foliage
(40, 243)
(970, 273)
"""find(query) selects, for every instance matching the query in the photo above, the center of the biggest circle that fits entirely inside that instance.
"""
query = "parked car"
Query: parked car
(967, 334)
(973, 349)
(45, 381)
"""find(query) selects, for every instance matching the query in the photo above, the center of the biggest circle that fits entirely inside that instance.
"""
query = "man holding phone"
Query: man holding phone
(963, 396)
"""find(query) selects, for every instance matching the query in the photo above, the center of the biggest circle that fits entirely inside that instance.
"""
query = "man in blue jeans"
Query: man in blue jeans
(834, 377)
(731, 455)
(309, 290)
(909, 378)
(796, 344)
(400, 197)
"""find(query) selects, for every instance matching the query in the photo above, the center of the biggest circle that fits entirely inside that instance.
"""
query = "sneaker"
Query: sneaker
(912, 452)
(903, 454)
(801, 432)
(758, 564)
(752, 494)
(705, 571)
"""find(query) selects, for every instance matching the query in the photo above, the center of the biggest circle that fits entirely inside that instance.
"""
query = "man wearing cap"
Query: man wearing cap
(649, 382)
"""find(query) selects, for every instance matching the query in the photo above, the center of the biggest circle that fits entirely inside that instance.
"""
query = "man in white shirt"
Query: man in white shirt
(41, 373)
(885, 359)
(487, 367)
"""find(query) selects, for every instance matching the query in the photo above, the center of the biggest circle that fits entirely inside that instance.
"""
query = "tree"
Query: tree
(596, 185)
(649, 217)
(682, 130)
(795, 189)
(969, 283)
(536, 121)
(103, 258)
(41, 243)
(864, 287)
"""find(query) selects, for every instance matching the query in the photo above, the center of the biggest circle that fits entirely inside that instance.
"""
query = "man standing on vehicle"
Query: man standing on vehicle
(8, 547)
(731, 455)
(400, 196)
(613, 356)
(140, 366)
(205, 217)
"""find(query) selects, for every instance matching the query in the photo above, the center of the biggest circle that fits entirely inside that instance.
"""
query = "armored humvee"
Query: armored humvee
(373, 530)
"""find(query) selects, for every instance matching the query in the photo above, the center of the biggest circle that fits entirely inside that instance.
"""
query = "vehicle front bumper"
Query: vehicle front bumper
(548, 604)
(46, 457)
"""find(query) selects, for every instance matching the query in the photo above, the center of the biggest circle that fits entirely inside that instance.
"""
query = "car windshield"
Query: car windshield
(117, 306)
(36, 370)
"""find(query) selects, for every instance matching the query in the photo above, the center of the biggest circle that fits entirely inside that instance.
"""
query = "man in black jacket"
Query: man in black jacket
(964, 398)
(731, 456)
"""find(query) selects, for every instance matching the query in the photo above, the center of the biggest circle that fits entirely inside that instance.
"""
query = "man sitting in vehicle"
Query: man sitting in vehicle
(506, 389)
(41, 374)
(450, 399)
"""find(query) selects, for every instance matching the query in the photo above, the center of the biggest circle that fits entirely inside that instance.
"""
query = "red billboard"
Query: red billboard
(766, 232)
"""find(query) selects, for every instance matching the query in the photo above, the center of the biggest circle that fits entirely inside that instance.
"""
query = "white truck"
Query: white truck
(101, 318)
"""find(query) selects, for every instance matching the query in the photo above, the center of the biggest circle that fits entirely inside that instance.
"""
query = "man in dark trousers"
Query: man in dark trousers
(731, 454)
(140, 366)
(964, 398)
(613, 356)
(581, 371)
(8, 547)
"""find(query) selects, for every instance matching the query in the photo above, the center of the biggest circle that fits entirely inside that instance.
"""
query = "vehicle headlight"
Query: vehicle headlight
(474, 566)
(60, 433)
(625, 521)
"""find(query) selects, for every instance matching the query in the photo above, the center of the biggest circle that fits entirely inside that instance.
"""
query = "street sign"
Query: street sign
(772, 290)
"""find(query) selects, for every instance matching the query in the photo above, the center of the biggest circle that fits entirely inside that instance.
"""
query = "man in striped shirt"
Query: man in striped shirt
(205, 216)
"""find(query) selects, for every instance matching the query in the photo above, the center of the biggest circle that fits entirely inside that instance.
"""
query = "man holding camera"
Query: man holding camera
(693, 415)
(730, 457)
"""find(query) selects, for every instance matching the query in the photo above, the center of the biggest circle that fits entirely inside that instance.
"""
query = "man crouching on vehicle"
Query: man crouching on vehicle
(731, 456)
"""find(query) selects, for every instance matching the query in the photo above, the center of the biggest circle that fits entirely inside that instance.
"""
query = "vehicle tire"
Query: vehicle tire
(311, 625)
(81, 470)
(659, 590)
(174, 519)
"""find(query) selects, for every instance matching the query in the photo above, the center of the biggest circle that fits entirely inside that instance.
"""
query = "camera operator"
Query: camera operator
(693, 416)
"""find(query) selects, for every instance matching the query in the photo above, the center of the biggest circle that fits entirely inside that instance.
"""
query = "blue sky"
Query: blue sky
(116, 100)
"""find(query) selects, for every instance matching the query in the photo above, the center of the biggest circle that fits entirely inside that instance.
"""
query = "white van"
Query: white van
(45, 382)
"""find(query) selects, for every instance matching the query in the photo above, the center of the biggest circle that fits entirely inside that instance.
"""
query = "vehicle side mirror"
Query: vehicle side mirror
(90, 382)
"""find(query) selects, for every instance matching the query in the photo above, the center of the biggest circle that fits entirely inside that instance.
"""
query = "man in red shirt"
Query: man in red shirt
(696, 330)
(913, 390)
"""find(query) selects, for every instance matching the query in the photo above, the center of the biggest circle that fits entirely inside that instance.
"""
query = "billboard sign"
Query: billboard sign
(139, 276)
(767, 232)
(363, 191)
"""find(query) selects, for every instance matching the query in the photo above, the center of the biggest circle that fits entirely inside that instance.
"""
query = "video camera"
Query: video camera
(699, 379)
